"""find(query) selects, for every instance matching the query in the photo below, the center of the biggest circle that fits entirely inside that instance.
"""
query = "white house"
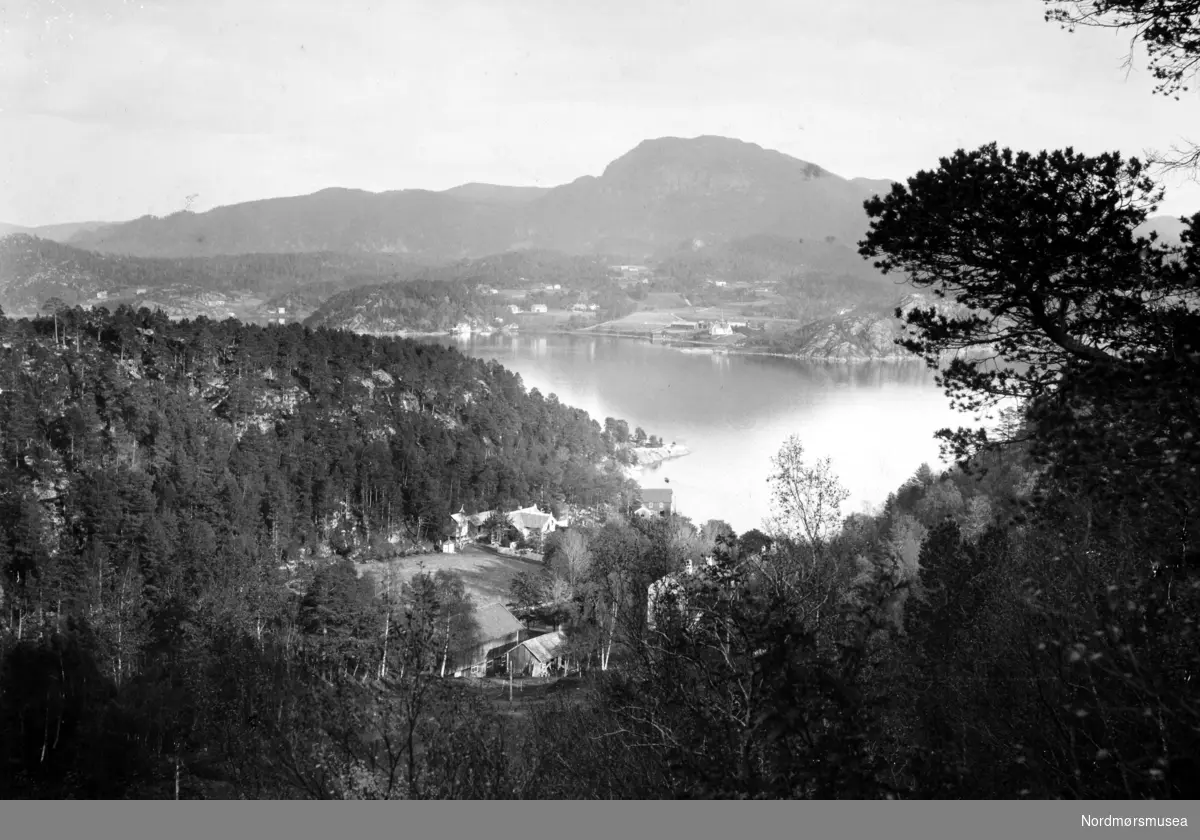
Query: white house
(538, 307)
(466, 526)
(719, 328)
(530, 520)
(513, 308)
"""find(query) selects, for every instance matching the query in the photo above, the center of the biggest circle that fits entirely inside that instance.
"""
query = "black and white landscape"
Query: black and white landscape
(539, 401)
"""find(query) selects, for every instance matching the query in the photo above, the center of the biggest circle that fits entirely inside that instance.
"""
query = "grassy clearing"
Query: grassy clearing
(553, 319)
(665, 300)
(487, 575)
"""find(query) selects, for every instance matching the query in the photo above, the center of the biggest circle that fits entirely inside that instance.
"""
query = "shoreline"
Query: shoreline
(724, 349)
(652, 457)
(685, 346)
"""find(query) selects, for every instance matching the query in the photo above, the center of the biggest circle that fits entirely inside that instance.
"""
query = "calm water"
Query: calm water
(875, 422)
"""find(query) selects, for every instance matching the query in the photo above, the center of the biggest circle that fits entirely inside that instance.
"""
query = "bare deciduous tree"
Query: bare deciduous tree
(806, 497)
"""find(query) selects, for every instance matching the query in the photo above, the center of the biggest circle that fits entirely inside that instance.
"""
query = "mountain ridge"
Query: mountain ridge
(664, 190)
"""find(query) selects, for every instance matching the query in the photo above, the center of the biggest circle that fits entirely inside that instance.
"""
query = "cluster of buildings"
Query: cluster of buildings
(504, 643)
(715, 327)
(528, 520)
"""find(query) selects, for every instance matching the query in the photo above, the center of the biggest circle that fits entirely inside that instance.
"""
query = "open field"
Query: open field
(665, 300)
(488, 575)
(554, 319)
(646, 319)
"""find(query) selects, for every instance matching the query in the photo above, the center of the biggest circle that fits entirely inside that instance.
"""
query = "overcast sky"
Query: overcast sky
(112, 109)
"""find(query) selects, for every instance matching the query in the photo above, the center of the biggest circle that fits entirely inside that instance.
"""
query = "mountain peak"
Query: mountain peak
(707, 153)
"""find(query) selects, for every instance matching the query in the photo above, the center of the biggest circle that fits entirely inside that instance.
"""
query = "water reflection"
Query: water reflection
(875, 421)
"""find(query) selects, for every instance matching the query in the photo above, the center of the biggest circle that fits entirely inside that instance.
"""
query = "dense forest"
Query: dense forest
(417, 306)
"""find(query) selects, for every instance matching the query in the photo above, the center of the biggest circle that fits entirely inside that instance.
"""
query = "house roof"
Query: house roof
(545, 647)
(496, 622)
(531, 521)
(474, 518)
(658, 494)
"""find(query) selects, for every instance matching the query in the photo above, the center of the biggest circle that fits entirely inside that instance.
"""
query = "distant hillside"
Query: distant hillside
(496, 194)
(873, 186)
(58, 233)
(763, 256)
(421, 306)
(711, 189)
(866, 333)
(440, 297)
(416, 223)
(33, 270)
(1168, 228)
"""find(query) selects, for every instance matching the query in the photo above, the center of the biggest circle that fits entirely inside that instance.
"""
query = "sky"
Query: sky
(112, 109)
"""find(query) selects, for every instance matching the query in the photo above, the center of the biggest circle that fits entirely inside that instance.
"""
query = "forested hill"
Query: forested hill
(207, 444)
(419, 306)
(33, 270)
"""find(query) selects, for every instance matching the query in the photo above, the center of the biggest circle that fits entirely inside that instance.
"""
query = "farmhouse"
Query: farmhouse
(720, 328)
(466, 526)
(536, 657)
(658, 501)
(499, 630)
(531, 521)
(527, 520)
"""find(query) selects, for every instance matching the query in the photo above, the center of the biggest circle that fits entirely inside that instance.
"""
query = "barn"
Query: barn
(499, 630)
(536, 657)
